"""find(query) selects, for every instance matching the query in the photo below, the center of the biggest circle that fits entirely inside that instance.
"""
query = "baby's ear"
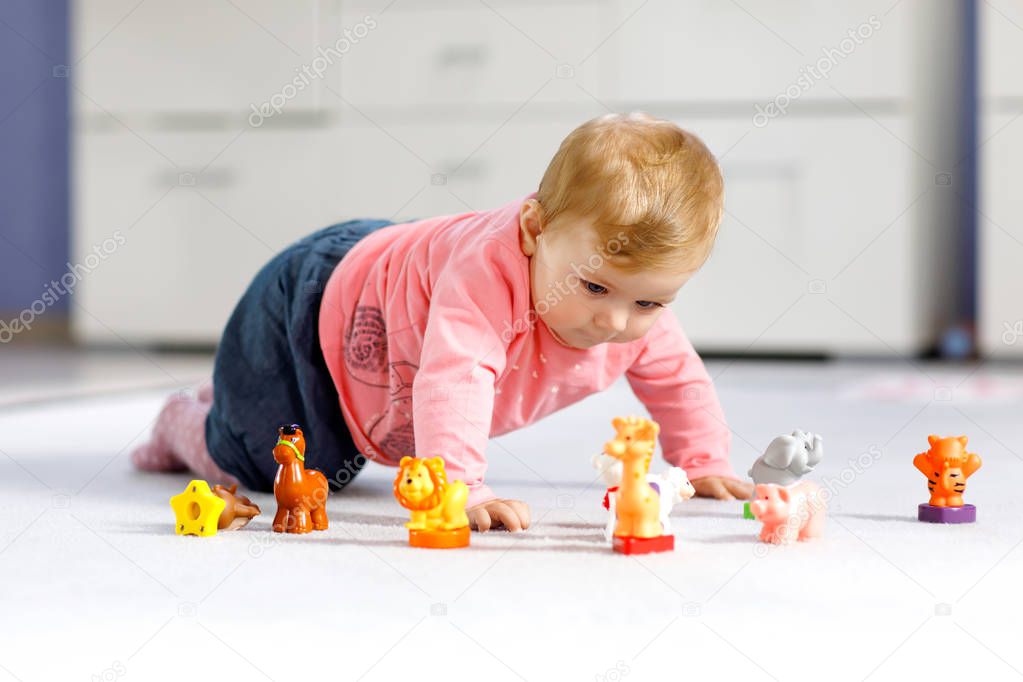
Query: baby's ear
(531, 225)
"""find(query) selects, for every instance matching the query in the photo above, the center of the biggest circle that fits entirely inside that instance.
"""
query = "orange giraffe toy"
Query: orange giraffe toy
(638, 529)
(300, 492)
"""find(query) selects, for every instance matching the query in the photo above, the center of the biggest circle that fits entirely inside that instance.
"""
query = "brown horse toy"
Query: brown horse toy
(238, 509)
(301, 493)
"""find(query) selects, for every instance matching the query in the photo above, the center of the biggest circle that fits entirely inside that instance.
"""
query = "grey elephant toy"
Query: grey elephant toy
(788, 458)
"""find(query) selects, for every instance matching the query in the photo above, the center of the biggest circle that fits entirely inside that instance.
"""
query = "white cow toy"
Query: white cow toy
(673, 486)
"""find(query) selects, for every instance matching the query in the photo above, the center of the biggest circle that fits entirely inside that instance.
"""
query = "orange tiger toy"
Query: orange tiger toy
(947, 465)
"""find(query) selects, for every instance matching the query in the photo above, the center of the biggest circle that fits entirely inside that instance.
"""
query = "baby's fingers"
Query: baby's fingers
(742, 490)
(479, 519)
(522, 510)
(503, 515)
(712, 486)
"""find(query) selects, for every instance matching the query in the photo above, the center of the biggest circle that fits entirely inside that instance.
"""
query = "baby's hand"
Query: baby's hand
(511, 514)
(722, 488)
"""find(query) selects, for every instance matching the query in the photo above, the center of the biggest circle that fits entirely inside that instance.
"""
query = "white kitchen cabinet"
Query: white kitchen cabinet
(453, 105)
(1000, 163)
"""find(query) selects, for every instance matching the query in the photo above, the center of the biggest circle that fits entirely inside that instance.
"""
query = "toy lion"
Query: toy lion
(422, 487)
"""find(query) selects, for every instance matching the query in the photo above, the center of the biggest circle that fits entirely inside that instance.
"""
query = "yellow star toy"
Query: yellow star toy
(196, 510)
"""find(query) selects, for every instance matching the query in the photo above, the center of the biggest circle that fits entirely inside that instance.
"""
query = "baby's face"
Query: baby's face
(586, 301)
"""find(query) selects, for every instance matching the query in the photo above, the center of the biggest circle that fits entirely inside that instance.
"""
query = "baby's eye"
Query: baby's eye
(595, 288)
(649, 305)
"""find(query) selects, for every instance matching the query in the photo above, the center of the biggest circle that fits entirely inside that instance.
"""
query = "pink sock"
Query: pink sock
(205, 392)
(178, 441)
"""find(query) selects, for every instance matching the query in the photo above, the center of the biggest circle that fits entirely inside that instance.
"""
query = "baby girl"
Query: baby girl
(430, 337)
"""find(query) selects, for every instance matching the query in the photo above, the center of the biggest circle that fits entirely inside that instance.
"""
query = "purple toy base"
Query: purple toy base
(964, 514)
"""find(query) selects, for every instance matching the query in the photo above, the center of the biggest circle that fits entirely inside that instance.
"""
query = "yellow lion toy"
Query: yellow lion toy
(436, 506)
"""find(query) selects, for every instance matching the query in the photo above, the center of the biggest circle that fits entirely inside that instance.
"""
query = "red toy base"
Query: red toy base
(439, 539)
(964, 514)
(631, 545)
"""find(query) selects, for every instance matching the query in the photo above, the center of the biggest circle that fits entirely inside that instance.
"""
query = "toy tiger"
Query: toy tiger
(947, 465)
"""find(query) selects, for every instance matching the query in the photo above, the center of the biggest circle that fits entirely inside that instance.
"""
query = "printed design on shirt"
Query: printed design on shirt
(366, 346)
(400, 440)
(366, 360)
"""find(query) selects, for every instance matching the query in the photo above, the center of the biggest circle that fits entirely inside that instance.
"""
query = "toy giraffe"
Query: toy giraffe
(637, 504)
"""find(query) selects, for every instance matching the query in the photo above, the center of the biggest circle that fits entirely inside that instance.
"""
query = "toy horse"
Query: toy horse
(300, 492)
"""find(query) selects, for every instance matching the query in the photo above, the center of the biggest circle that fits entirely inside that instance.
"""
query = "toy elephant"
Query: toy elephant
(788, 458)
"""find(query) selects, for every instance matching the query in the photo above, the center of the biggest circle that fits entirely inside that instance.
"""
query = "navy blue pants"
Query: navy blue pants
(269, 368)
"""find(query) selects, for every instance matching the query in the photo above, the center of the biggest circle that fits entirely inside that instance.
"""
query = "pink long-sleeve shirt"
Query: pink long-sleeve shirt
(430, 335)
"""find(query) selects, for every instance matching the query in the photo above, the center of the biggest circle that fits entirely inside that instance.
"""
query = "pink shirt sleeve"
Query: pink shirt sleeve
(464, 351)
(669, 378)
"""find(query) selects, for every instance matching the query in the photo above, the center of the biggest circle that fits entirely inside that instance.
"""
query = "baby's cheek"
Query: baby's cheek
(641, 324)
(567, 314)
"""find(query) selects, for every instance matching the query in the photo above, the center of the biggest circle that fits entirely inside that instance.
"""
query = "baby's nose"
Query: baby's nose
(614, 322)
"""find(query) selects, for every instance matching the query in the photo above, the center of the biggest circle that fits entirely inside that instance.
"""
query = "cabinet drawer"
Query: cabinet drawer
(192, 241)
(442, 169)
(462, 53)
(192, 55)
(1000, 232)
(1001, 49)
(806, 259)
(758, 49)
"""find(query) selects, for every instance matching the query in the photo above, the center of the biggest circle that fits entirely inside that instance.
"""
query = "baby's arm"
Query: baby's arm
(464, 351)
(672, 382)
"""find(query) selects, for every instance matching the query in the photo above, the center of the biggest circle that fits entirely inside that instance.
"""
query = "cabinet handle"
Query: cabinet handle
(213, 178)
(455, 56)
(473, 169)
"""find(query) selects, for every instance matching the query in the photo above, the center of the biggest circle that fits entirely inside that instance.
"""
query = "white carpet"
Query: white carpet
(95, 585)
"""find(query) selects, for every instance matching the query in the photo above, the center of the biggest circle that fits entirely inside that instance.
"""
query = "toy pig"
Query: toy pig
(788, 458)
(789, 513)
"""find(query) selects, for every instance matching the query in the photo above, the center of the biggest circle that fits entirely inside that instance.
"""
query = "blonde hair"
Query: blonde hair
(643, 177)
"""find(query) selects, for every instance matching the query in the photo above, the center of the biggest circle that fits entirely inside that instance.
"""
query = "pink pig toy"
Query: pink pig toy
(789, 513)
